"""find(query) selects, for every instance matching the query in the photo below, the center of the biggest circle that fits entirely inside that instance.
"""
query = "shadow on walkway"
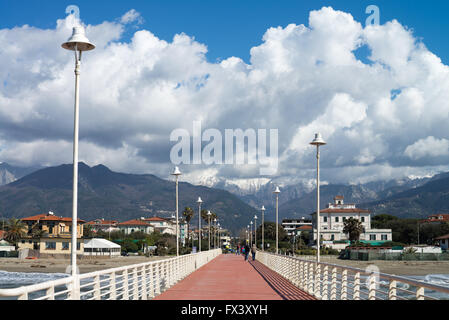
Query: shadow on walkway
(282, 286)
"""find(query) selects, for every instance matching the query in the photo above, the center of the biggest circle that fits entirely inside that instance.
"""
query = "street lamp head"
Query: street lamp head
(318, 141)
(176, 172)
(255, 217)
(251, 223)
(277, 191)
(263, 208)
(199, 200)
(78, 41)
(209, 213)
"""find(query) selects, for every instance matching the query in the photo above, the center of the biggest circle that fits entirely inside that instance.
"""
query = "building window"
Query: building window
(49, 245)
(344, 219)
(332, 237)
(325, 219)
(384, 237)
(78, 245)
(65, 245)
(337, 219)
(363, 219)
(372, 237)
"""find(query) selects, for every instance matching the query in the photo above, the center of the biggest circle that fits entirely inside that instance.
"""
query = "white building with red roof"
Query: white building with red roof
(332, 221)
(136, 225)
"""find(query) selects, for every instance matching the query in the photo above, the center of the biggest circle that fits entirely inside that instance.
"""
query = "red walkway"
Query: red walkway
(229, 277)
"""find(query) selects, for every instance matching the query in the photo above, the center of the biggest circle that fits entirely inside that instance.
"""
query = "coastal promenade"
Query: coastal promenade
(230, 277)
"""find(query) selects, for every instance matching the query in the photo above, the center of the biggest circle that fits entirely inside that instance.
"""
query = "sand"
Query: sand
(60, 265)
(405, 268)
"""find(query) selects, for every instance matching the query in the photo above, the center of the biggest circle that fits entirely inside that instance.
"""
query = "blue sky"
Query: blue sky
(231, 28)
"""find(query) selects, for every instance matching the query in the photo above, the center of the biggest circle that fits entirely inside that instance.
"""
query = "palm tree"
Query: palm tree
(15, 230)
(188, 214)
(353, 228)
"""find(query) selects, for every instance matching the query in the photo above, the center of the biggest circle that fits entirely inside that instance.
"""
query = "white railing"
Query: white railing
(135, 282)
(335, 282)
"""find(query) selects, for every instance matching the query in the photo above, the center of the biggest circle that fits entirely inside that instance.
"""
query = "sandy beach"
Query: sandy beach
(406, 268)
(60, 265)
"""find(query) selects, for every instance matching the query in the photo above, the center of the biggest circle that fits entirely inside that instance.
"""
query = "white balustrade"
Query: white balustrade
(335, 282)
(137, 282)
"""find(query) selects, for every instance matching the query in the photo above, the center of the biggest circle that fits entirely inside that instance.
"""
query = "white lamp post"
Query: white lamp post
(215, 233)
(251, 232)
(255, 228)
(177, 173)
(199, 201)
(263, 233)
(276, 192)
(78, 43)
(318, 141)
(209, 214)
(219, 236)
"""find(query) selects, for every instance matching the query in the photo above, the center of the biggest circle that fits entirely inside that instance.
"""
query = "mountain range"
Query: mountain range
(112, 195)
(103, 193)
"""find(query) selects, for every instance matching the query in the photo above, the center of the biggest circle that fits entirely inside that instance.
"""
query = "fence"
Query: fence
(136, 282)
(334, 282)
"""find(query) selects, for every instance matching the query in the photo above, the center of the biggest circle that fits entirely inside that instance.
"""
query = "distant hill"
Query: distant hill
(106, 194)
(9, 173)
(430, 198)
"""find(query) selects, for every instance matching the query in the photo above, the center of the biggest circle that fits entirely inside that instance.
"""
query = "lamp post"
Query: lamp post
(78, 43)
(209, 214)
(249, 235)
(255, 228)
(199, 201)
(276, 192)
(263, 233)
(318, 141)
(215, 233)
(177, 173)
(251, 242)
(219, 236)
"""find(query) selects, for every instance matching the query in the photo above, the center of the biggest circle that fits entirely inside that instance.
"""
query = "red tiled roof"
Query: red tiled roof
(2, 234)
(49, 217)
(155, 219)
(339, 197)
(102, 222)
(304, 228)
(134, 222)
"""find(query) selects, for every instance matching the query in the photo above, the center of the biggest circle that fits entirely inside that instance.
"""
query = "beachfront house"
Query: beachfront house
(136, 225)
(291, 225)
(332, 221)
(103, 225)
(50, 235)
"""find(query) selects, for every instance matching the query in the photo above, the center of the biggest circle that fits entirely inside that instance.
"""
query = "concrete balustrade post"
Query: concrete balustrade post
(112, 288)
(392, 290)
(135, 285)
(420, 293)
(334, 284)
(311, 276)
(143, 279)
(325, 295)
(50, 293)
(344, 285)
(125, 285)
(372, 287)
(317, 288)
(97, 287)
(356, 291)
(157, 284)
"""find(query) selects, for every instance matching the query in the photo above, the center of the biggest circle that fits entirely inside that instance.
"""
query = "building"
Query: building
(291, 225)
(55, 237)
(103, 225)
(304, 228)
(440, 217)
(162, 225)
(443, 241)
(332, 223)
(101, 247)
(183, 229)
(136, 225)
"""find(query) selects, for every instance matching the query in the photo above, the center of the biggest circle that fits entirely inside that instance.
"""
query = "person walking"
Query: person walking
(246, 252)
(253, 251)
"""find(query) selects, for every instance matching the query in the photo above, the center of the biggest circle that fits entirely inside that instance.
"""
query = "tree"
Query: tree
(15, 230)
(188, 214)
(353, 228)
(88, 232)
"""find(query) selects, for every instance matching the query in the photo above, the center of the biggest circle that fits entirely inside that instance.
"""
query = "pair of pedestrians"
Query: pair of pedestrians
(253, 251)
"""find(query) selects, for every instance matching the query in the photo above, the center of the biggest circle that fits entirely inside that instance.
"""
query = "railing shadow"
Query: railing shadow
(282, 286)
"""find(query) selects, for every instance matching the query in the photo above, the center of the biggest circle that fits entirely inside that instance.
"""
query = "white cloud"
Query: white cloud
(300, 80)
(429, 147)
